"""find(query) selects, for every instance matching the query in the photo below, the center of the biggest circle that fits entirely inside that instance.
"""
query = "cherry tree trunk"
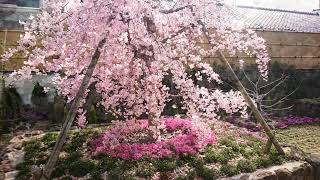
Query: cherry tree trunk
(72, 113)
(244, 93)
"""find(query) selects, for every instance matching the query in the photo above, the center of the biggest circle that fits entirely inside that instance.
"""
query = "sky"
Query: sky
(300, 5)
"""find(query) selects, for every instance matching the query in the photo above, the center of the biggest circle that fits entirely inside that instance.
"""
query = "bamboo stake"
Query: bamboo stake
(71, 114)
(2, 80)
(244, 93)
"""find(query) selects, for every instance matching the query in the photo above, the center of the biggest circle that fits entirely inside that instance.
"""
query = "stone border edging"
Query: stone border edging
(295, 170)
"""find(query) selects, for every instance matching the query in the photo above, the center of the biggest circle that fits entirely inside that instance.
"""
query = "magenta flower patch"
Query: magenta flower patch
(133, 140)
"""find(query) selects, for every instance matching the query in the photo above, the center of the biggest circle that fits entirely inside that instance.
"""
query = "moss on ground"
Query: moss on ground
(306, 137)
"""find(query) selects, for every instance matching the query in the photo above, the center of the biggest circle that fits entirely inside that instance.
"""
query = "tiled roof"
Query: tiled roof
(252, 17)
(278, 19)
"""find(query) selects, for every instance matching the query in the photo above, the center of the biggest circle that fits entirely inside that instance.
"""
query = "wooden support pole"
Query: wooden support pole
(244, 93)
(267, 147)
(251, 104)
(71, 114)
(2, 79)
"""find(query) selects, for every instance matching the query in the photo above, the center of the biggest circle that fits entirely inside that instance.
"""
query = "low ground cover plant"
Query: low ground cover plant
(224, 157)
(274, 122)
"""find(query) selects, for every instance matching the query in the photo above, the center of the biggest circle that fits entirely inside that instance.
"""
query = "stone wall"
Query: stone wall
(308, 169)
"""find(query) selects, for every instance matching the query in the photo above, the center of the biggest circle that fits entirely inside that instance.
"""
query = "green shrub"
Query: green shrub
(145, 169)
(24, 171)
(263, 161)
(92, 116)
(66, 178)
(77, 141)
(81, 168)
(189, 175)
(277, 159)
(24, 175)
(116, 173)
(31, 148)
(208, 174)
(247, 152)
(96, 175)
(12, 103)
(246, 166)
(42, 158)
(198, 164)
(229, 170)
(163, 165)
(58, 110)
(106, 163)
(73, 156)
(39, 96)
(225, 155)
(4, 127)
(315, 101)
(186, 159)
(307, 107)
(59, 170)
(229, 142)
(50, 139)
(211, 156)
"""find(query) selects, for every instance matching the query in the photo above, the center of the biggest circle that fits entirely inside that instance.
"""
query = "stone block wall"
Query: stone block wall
(296, 170)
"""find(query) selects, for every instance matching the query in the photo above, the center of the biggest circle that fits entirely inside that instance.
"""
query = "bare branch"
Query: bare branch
(246, 76)
(283, 77)
(173, 10)
(274, 87)
(284, 98)
(278, 109)
(175, 34)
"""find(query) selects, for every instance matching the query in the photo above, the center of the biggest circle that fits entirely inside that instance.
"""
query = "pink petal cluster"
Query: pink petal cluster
(184, 140)
(254, 134)
(145, 41)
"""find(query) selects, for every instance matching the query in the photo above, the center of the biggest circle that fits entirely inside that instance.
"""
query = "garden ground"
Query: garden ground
(233, 153)
(306, 137)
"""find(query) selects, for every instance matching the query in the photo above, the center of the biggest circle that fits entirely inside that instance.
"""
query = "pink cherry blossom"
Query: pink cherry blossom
(145, 41)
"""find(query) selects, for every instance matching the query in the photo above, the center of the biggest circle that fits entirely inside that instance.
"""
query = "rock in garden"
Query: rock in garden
(11, 175)
(263, 175)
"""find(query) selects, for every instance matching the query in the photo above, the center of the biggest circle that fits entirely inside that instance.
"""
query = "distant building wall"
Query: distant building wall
(11, 29)
(25, 87)
(10, 15)
(301, 50)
